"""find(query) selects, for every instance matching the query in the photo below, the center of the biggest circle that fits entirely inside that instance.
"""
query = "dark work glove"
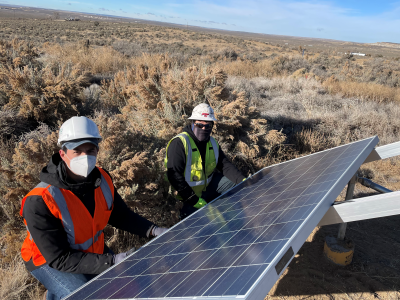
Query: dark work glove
(121, 256)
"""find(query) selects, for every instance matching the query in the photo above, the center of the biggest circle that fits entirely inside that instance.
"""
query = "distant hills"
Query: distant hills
(387, 44)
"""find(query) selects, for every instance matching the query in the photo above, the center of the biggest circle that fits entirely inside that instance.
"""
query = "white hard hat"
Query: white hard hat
(203, 112)
(78, 128)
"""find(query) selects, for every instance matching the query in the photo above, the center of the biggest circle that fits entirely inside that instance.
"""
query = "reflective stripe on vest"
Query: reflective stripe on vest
(42, 185)
(30, 235)
(106, 192)
(58, 197)
(86, 245)
(188, 168)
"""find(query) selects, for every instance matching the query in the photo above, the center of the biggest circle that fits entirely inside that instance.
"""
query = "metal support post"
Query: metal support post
(349, 196)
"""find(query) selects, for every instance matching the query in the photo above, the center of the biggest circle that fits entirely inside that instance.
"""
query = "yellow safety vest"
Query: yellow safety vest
(194, 173)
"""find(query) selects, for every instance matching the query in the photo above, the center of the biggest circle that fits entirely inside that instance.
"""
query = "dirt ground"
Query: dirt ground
(373, 274)
(375, 270)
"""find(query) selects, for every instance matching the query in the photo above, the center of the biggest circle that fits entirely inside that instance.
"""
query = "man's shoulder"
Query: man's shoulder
(175, 141)
(98, 173)
(176, 150)
(34, 205)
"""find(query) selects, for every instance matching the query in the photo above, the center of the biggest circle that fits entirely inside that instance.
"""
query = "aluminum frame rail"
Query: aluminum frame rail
(377, 206)
(384, 152)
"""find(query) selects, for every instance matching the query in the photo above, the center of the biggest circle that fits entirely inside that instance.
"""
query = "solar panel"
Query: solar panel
(238, 245)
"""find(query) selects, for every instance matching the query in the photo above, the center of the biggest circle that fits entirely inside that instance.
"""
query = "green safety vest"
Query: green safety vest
(194, 173)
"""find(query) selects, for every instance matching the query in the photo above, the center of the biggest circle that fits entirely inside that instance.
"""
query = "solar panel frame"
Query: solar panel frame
(259, 291)
(270, 275)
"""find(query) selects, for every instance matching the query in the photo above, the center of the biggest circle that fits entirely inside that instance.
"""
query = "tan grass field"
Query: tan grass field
(139, 82)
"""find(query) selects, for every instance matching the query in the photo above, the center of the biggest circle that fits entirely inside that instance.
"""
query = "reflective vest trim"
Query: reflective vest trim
(105, 188)
(66, 216)
(86, 245)
(188, 168)
(42, 185)
(30, 235)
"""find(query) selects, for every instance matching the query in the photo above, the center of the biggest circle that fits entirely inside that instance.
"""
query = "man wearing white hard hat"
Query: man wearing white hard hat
(66, 213)
(197, 168)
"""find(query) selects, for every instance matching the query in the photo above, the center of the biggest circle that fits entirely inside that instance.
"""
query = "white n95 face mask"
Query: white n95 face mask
(82, 165)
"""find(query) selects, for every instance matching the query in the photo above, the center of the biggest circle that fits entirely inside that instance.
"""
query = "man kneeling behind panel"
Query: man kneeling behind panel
(197, 168)
(66, 213)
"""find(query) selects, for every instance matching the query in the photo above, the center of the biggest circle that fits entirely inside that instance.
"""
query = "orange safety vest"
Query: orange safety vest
(85, 233)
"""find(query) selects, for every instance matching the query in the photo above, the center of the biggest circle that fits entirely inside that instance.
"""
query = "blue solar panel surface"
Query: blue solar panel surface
(228, 246)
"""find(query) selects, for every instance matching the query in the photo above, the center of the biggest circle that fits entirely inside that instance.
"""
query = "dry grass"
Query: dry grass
(17, 283)
(368, 91)
(103, 60)
(292, 105)
(247, 68)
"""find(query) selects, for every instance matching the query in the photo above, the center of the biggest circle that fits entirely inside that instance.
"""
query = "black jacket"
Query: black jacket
(177, 162)
(49, 235)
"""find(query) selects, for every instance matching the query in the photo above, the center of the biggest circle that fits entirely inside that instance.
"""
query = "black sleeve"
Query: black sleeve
(228, 169)
(49, 235)
(123, 218)
(175, 170)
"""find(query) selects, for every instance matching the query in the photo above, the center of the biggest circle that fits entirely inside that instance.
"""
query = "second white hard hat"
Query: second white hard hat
(203, 112)
(78, 128)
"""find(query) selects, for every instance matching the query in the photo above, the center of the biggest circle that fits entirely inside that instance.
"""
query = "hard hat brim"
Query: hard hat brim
(71, 145)
(78, 137)
(203, 118)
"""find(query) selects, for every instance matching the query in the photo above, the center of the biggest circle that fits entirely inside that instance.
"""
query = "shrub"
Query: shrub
(143, 107)
(12, 124)
(101, 60)
(284, 64)
(157, 100)
(17, 53)
(49, 94)
(20, 174)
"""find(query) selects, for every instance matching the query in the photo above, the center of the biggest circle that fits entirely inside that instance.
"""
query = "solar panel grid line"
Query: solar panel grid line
(283, 211)
(257, 291)
(288, 187)
(290, 209)
(267, 227)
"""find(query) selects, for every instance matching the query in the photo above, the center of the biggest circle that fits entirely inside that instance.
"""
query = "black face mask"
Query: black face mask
(203, 135)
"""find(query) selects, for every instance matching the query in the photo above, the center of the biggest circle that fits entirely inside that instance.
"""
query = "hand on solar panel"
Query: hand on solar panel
(156, 231)
(244, 179)
(121, 256)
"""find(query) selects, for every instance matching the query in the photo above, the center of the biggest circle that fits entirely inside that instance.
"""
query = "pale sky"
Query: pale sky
(358, 21)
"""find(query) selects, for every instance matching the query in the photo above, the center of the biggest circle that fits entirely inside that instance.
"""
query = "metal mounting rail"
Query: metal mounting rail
(371, 207)
(335, 215)
(383, 152)
(372, 185)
